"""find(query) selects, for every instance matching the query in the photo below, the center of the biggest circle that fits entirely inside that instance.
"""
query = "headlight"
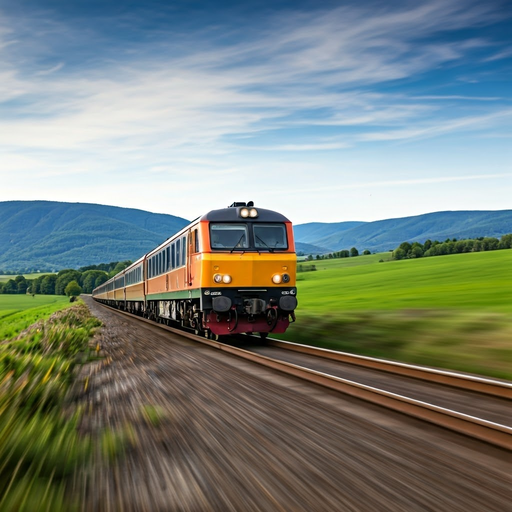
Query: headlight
(276, 278)
(244, 212)
(217, 278)
(286, 278)
(226, 278)
(253, 213)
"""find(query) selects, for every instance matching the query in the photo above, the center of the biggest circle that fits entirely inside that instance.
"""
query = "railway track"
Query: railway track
(474, 406)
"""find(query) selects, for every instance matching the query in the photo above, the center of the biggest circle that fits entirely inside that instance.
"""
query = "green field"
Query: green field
(17, 312)
(4, 278)
(481, 280)
(448, 311)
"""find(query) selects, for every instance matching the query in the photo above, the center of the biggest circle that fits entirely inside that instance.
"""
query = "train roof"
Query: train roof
(233, 214)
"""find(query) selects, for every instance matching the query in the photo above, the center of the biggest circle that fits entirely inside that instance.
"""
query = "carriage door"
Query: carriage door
(189, 257)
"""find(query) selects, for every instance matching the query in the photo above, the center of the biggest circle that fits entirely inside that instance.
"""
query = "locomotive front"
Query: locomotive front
(248, 269)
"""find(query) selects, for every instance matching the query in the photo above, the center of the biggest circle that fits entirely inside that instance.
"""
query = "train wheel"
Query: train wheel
(211, 336)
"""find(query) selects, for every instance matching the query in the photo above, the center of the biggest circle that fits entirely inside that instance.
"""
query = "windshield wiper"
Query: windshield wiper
(270, 249)
(239, 240)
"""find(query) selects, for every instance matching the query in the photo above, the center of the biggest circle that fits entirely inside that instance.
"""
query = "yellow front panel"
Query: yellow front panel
(248, 269)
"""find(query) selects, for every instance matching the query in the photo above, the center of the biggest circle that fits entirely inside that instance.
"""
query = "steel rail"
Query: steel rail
(484, 430)
(493, 387)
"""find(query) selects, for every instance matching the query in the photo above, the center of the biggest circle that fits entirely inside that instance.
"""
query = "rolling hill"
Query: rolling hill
(46, 235)
(384, 235)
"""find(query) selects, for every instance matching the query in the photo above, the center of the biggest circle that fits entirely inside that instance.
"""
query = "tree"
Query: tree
(89, 279)
(416, 252)
(490, 244)
(63, 278)
(398, 254)
(36, 284)
(73, 289)
(460, 246)
(10, 286)
(103, 278)
(354, 252)
(48, 284)
(406, 247)
(119, 267)
(505, 242)
(22, 287)
(366, 252)
(21, 284)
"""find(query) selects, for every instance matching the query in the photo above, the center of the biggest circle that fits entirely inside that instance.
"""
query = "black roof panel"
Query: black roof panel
(233, 215)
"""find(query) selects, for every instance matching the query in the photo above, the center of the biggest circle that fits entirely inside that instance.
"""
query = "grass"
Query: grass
(460, 281)
(4, 278)
(17, 312)
(41, 450)
(447, 311)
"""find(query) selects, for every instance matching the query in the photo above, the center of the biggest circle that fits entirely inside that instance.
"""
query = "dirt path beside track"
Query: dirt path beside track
(214, 433)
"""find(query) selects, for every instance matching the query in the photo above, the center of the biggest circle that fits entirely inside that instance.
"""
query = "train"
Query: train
(230, 271)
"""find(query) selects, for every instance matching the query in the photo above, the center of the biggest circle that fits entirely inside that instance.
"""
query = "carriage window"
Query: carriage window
(229, 236)
(270, 236)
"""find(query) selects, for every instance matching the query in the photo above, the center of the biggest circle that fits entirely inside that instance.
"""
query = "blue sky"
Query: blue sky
(327, 111)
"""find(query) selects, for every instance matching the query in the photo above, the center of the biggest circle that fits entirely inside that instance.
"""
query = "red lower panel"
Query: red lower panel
(221, 324)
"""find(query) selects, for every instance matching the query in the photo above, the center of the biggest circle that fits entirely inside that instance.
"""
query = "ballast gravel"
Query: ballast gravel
(210, 432)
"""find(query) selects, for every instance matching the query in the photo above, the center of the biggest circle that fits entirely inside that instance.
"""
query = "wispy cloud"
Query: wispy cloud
(74, 99)
(401, 183)
(307, 62)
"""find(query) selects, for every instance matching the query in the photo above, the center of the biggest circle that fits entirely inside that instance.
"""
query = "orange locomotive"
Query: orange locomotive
(229, 271)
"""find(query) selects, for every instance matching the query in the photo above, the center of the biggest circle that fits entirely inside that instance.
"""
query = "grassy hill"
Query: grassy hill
(45, 235)
(447, 311)
(388, 234)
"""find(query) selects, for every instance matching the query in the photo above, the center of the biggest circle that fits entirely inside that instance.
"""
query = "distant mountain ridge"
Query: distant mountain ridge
(49, 235)
(384, 235)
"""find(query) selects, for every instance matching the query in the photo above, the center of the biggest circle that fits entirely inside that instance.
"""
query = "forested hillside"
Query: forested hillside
(384, 235)
(45, 235)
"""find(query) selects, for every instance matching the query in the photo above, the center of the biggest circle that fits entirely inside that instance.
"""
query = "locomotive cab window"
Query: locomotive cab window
(270, 236)
(229, 236)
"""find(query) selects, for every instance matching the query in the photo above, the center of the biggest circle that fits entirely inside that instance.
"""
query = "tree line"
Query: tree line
(450, 246)
(338, 254)
(66, 282)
